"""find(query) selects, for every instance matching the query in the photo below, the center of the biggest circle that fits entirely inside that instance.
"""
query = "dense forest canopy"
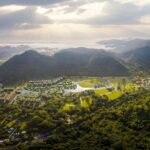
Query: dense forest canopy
(118, 124)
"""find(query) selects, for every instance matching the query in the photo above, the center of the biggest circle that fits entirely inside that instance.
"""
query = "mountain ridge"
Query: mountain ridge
(69, 62)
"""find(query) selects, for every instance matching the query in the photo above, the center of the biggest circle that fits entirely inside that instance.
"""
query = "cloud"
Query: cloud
(115, 13)
(30, 2)
(75, 19)
(23, 19)
(75, 5)
(136, 2)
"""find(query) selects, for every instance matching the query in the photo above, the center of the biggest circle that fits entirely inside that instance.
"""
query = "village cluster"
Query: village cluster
(34, 91)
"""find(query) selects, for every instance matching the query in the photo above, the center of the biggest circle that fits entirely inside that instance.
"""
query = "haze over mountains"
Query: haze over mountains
(74, 61)
(116, 46)
(124, 45)
(8, 51)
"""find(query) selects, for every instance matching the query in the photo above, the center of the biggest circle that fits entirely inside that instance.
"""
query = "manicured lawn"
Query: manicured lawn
(86, 83)
(90, 82)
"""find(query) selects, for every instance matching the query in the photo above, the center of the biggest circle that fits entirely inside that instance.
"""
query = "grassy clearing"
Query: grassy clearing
(114, 95)
(68, 107)
(86, 83)
(10, 124)
(90, 82)
(111, 95)
(101, 91)
(86, 102)
(23, 125)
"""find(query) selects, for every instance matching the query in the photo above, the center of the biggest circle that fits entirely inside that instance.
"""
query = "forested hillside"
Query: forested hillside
(71, 62)
(139, 57)
(121, 124)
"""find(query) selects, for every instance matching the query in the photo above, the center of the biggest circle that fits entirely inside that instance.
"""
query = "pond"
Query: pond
(80, 89)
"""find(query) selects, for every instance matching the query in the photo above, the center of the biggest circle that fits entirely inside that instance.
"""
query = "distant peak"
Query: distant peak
(30, 52)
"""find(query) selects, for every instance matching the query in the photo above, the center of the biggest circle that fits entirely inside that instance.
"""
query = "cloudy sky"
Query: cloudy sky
(73, 20)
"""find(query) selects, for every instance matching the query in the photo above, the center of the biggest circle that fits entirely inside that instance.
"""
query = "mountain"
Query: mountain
(24, 67)
(139, 57)
(69, 62)
(124, 45)
(88, 62)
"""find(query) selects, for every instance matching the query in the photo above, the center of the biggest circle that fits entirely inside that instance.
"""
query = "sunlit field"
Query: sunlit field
(118, 86)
